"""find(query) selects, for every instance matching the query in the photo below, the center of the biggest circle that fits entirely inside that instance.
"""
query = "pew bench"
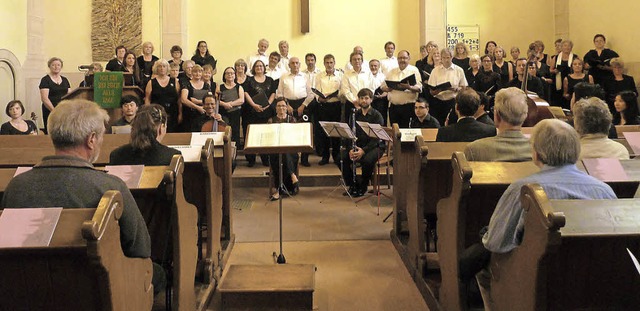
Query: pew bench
(573, 256)
(83, 268)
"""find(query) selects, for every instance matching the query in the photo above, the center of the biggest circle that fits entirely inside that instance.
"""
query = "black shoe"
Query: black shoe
(355, 192)
(251, 164)
(265, 164)
(296, 188)
(323, 162)
(305, 163)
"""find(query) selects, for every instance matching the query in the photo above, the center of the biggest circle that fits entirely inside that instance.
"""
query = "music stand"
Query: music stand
(279, 138)
(339, 130)
(376, 131)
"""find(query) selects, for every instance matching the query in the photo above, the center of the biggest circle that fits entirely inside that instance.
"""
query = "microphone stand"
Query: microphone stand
(353, 144)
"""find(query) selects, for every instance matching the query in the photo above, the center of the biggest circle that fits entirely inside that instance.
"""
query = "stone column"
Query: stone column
(433, 22)
(174, 26)
(34, 67)
(561, 19)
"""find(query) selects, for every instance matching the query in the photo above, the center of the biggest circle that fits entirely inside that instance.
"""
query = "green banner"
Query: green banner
(107, 89)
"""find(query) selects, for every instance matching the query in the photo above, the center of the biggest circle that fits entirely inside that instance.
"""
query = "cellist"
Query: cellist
(211, 120)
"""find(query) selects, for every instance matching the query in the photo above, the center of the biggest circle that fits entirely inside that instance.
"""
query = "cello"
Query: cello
(538, 108)
(214, 125)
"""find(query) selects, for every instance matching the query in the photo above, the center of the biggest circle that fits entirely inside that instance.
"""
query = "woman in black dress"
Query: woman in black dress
(576, 76)
(598, 60)
(145, 62)
(502, 67)
(52, 87)
(461, 56)
(164, 90)
(17, 125)
(289, 160)
(131, 68)
(626, 104)
(488, 81)
(192, 96)
(231, 97)
(472, 72)
(618, 82)
(261, 88)
(490, 47)
(147, 131)
(202, 56)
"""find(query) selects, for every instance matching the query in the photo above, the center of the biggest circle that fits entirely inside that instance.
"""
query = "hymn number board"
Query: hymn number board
(469, 35)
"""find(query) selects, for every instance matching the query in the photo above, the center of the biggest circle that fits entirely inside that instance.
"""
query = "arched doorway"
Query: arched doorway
(7, 87)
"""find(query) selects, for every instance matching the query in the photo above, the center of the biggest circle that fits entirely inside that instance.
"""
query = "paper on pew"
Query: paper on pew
(605, 169)
(130, 174)
(190, 153)
(28, 227)
(409, 135)
(633, 138)
(635, 260)
(22, 169)
(199, 139)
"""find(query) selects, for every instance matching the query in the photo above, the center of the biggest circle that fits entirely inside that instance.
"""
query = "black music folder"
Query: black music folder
(317, 92)
(411, 80)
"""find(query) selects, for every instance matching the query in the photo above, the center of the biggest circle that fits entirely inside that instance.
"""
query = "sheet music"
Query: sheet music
(409, 135)
(295, 134)
(130, 174)
(22, 169)
(605, 169)
(28, 227)
(635, 260)
(633, 138)
(190, 153)
(200, 138)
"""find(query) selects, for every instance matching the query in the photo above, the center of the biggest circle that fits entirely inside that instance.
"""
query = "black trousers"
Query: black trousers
(382, 105)
(233, 119)
(367, 163)
(401, 114)
(289, 166)
(326, 145)
(295, 104)
(439, 109)
(250, 116)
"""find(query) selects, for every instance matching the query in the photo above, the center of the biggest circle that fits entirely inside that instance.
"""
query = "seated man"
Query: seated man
(556, 147)
(467, 128)
(68, 179)
(367, 150)
(592, 121)
(482, 115)
(129, 105)
(510, 144)
(422, 117)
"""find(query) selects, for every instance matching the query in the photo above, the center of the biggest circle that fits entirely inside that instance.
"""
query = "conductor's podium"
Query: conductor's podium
(83, 268)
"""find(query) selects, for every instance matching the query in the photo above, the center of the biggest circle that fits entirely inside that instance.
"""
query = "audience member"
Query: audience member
(467, 128)
(626, 104)
(593, 121)
(510, 145)
(422, 118)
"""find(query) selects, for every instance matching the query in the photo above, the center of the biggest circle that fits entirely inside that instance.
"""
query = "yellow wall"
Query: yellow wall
(508, 22)
(152, 25)
(13, 14)
(616, 19)
(232, 28)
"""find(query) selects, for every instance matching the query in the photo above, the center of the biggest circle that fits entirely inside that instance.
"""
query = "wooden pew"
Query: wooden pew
(213, 198)
(161, 201)
(83, 268)
(573, 256)
(620, 129)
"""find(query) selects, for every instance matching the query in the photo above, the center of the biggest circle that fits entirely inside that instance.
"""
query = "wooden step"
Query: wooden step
(268, 287)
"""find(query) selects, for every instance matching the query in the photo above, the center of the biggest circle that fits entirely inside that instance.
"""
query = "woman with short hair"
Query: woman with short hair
(52, 87)
(164, 90)
(598, 60)
(618, 82)
(146, 61)
(17, 125)
(192, 95)
(231, 96)
(502, 67)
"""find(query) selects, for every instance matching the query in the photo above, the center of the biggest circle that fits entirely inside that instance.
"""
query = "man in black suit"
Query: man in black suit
(467, 128)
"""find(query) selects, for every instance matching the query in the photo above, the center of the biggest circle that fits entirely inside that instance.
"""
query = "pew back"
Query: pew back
(83, 268)
(573, 256)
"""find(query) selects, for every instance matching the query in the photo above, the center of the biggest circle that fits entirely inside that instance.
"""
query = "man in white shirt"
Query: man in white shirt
(272, 70)
(294, 87)
(349, 66)
(328, 82)
(352, 82)
(402, 101)
(263, 45)
(389, 61)
(283, 46)
(311, 71)
(380, 101)
(444, 99)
